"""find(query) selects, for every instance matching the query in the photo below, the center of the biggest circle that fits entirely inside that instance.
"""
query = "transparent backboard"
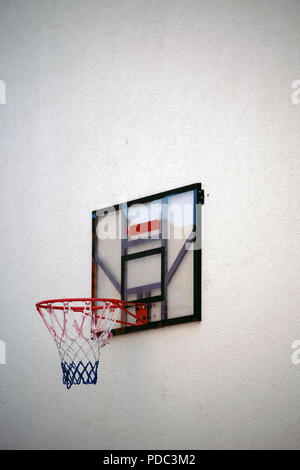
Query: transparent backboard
(149, 250)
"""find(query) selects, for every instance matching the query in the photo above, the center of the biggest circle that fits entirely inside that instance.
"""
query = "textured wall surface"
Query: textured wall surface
(112, 100)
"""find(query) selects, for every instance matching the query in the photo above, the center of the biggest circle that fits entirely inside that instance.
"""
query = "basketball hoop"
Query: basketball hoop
(81, 327)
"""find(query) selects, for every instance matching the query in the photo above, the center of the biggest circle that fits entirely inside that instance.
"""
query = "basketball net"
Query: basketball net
(80, 332)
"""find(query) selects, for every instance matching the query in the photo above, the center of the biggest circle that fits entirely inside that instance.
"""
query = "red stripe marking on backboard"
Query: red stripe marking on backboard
(144, 227)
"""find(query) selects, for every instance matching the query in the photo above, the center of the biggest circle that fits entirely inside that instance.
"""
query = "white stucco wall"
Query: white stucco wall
(112, 100)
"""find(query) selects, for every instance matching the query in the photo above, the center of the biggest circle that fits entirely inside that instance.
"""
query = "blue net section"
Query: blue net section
(75, 374)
